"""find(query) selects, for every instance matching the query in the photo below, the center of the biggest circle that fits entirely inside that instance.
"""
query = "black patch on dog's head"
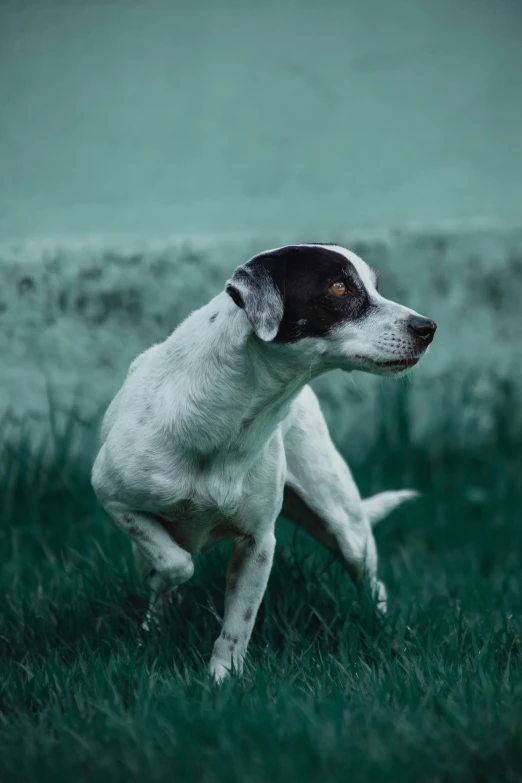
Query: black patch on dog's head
(301, 277)
(310, 307)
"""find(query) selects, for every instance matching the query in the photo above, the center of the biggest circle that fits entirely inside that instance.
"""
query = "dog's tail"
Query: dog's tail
(379, 506)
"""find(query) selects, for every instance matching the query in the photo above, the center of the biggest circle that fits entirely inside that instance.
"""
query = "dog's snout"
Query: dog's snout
(422, 328)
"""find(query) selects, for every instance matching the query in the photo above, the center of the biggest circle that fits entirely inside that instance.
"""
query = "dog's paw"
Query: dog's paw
(219, 671)
(222, 664)
(151, 621)
(381, 597)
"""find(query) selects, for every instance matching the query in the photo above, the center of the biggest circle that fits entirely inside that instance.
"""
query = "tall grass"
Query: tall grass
(331, 691)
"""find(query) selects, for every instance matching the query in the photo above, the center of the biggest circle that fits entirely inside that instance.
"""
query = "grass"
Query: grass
(432, 693)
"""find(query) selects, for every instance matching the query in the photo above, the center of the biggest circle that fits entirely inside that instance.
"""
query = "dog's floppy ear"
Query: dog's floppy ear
(258, 287)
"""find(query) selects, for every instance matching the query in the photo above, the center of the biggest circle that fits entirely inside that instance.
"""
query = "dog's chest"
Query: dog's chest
(197, 529)
(222, 507)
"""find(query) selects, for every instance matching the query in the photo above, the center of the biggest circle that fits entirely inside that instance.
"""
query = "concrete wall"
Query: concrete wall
(152, 118)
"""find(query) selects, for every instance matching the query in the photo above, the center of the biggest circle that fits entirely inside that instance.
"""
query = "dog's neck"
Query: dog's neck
(278, 377)
(240, 387)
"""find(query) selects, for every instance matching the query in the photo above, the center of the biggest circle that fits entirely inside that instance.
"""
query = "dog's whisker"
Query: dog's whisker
(356, 387)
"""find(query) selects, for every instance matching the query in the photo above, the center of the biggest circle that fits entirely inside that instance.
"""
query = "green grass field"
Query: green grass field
(331, 692)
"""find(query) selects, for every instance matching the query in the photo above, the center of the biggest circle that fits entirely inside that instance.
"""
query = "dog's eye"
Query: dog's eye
(339, 288)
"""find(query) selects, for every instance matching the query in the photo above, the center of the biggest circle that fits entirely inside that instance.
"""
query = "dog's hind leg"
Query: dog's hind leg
(321, 495)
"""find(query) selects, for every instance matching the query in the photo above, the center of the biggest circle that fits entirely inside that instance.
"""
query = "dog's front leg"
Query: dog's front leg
(247, 577)
(163, 563)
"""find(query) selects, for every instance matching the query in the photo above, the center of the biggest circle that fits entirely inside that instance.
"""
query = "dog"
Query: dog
(216, 431)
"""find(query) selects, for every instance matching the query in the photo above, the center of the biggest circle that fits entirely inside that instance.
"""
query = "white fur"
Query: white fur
(204, 435)
(379, 506)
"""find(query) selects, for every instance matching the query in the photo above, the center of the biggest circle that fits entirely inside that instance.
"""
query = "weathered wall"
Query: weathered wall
(165, 116)
(73, 315)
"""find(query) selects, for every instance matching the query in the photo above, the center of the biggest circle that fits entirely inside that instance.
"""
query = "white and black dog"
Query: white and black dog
(215, 431)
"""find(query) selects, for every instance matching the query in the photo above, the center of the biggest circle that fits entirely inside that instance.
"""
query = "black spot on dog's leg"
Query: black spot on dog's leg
(228, 637)
(262, 558)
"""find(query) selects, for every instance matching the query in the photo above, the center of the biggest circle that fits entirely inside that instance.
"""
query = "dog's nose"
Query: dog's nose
(422, 327)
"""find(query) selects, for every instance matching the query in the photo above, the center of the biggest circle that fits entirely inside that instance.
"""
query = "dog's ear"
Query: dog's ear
(258, 287)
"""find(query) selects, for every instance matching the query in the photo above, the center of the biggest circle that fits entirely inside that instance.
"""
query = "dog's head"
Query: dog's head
(323, 299)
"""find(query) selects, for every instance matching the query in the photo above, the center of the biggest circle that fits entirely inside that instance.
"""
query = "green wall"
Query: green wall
(127, 117)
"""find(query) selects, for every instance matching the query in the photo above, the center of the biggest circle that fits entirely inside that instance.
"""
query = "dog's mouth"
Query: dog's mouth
(392, 366)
